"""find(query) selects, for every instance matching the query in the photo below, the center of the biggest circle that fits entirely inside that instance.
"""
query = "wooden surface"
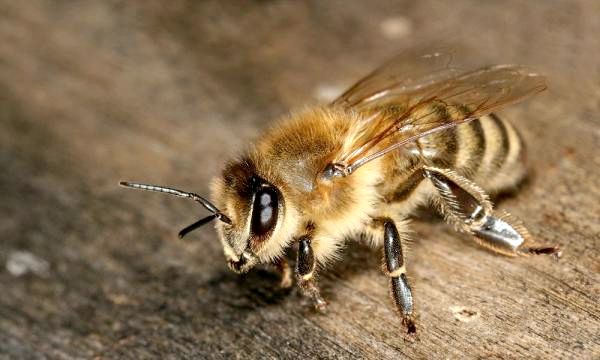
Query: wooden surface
(95, 92)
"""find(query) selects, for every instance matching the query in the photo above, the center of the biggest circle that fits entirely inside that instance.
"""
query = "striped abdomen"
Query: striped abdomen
(489, 151)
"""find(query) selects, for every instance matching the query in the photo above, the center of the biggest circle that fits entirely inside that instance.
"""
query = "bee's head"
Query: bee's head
(251, 212)
(257, 209)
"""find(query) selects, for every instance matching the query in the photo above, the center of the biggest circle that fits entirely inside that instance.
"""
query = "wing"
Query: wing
(405, 72)
(434, 96)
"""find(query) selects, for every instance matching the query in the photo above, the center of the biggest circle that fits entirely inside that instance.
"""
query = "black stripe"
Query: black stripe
(451, 145)
(449, 156)
(478, 150)
(445, 143)
(501, 156)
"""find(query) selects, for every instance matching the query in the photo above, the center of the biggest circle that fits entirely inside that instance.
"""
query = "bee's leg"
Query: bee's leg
(466, 205)
(395, 268)
(305, 269)
(284, 268)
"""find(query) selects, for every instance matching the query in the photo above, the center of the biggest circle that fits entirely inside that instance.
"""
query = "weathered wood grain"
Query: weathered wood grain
(95, 92)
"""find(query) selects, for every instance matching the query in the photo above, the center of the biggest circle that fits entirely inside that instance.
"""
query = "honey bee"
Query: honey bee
(416, 131)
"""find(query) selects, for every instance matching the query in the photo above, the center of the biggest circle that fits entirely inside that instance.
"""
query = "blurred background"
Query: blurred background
(163, 92)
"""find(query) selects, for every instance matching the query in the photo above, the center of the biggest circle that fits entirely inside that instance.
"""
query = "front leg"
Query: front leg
(395, 268)
(285, 270)
(305, 269)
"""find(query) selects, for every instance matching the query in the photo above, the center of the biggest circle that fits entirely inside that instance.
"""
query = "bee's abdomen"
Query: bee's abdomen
(490, 152)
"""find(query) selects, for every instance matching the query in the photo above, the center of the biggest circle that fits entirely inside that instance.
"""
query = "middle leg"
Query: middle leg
(395, 269)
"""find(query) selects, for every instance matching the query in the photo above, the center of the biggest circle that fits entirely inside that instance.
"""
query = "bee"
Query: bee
(416, 131)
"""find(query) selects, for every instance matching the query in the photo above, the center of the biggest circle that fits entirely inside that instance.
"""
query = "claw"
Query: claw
(319, 303)
(410, 326)
(551, 250)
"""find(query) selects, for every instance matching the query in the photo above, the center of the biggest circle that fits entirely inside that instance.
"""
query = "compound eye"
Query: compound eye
(264, 211)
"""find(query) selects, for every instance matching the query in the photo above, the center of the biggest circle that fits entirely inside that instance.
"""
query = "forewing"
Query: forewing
(407, 72)
(460, 98)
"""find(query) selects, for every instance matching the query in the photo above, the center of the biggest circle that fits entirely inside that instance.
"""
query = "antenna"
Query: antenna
(196, 225)
(216, 213)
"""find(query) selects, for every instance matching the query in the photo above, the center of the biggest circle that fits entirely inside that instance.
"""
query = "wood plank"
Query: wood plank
(95, 92)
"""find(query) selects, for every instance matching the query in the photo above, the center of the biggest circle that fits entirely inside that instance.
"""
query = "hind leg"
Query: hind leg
(466, 205)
